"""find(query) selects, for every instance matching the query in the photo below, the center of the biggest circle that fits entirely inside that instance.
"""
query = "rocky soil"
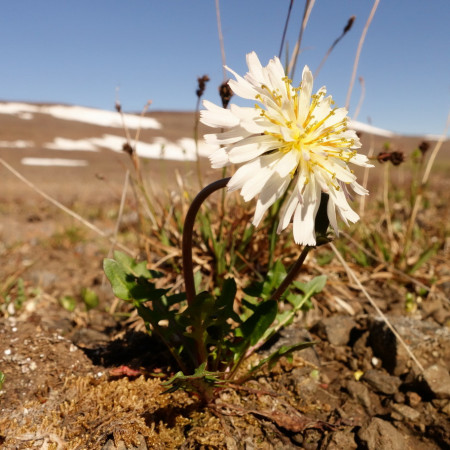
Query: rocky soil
(91, 379)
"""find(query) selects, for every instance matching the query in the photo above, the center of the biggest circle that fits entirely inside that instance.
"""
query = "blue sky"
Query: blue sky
(79, 52)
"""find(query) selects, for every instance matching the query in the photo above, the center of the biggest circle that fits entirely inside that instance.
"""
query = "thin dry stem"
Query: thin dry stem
(120, 214)
(375, 306)
(63, 208)
(365, 180)
(387, 209)
(361, 98)
(293, 62)
(346, 29)
(285, 28)
(425, 177)
(222, 46)
(138, 131)
(358, 52)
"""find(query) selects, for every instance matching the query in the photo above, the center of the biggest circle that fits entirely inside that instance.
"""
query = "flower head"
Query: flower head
(288, 138)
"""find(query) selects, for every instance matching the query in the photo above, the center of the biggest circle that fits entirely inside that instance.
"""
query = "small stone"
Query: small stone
(340, 440)
(437, 379)
(446, 409)
(380, 434)
(336, 329)
(359, 392)
(413, 398)
(404, 412)
(382, 382)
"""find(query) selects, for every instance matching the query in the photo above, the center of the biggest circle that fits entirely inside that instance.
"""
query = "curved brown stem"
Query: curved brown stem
(188, 268)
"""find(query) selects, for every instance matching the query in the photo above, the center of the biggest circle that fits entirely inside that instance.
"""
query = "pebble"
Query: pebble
(380, 434)
(437, 379)
(336, 329)
(382, 382)
(414, 399)
(402, 412)
(359, 392)
(341, 440)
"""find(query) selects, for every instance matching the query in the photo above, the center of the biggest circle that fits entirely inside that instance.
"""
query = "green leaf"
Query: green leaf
(2, 380)
(312, 287)
(272, 280)
(130, 266)
(225, 302)
(68, 303)
(257, 324)
(90, 298)
(283, 351)
(121, 286)
(424, 257)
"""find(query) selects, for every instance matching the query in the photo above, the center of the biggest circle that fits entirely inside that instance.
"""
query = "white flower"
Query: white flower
(289, 137)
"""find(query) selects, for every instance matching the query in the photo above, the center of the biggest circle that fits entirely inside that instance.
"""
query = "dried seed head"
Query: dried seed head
(424, 147)
(396, 158)
(201, 85)
(118, 107)
(349, 24)
(225, 93)
(127, 148)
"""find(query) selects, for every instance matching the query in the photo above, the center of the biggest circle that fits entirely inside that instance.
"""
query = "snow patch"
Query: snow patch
(16, 144)
(53, 162)
(160, 148)
(71, 145)
(365, 128)
(92, 116)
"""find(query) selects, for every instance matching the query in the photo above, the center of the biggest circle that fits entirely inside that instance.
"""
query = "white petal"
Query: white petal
(276, 75)
(305, 94)
(243, 174)
(241, 86)
(255, 184)
(271, 192)
(361, 160)
(231, 136)
(244, 113)
(304, 228)
(331, 212)
(256, 72)
(287, 163)
(287, 210)
(219, 159)
(305, 215)
(217, 117)
(359, 189)
(340, 169)
(251, 147)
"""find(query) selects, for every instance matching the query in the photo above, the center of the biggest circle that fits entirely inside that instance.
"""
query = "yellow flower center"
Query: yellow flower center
(315, 140)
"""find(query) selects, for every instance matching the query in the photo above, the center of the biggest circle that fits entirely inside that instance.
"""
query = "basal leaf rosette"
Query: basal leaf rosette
(290, 140)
